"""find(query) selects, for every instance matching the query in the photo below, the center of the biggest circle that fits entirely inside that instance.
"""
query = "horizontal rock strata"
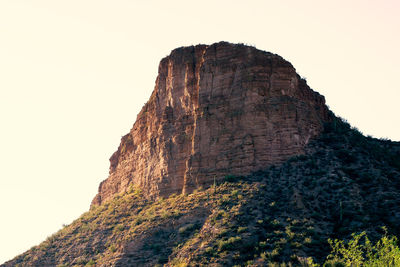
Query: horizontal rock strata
(215, 110)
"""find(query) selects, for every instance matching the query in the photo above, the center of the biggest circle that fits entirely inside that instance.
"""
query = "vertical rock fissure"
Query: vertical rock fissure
(189, 175)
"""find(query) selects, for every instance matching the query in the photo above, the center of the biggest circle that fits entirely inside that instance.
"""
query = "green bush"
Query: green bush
(91, 263)
(229, 244)
(186, 228)
(360, 251)
(209, 250)
(232, 178)
(241, 229)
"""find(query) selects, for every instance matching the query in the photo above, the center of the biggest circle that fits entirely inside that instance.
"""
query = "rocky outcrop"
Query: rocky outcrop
(215, 110)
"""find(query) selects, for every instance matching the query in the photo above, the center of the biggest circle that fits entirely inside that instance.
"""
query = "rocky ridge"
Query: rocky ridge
(215, 110)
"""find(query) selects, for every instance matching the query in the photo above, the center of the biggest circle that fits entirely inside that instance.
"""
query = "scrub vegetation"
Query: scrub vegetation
(326, 207)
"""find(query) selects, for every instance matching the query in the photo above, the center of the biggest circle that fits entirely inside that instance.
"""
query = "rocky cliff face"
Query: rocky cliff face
(215, 110)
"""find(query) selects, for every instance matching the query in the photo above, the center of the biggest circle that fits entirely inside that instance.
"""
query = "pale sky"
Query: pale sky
(75, 73)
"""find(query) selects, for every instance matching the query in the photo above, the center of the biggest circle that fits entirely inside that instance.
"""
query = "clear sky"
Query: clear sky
(75, 73)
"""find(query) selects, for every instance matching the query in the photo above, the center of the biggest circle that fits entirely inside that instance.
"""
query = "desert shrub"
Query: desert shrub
(186, 228)
(119, 228)
(360, 251)
(395, 160)
(232, 178)
(209, 250)
(346, 156)
(241, 229)
(229, 244)
(91, 263)
(112, 248)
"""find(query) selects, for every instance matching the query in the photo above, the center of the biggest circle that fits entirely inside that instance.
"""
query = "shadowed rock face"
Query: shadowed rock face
(215, 110)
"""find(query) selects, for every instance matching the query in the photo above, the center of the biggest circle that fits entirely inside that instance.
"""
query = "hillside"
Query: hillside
(344, 183)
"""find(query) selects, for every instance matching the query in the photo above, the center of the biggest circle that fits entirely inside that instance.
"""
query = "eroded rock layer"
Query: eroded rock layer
(215, 110)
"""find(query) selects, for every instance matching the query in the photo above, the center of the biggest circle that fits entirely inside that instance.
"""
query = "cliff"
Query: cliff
(215, 110)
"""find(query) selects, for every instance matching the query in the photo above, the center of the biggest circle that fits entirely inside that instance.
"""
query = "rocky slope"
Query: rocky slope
(215, 110)
(284, 214)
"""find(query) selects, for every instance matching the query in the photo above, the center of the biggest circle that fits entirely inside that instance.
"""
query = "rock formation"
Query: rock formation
(231, 109)
(215, 110)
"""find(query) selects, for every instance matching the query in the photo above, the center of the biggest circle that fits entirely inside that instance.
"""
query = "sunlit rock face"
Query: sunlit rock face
(215, 110)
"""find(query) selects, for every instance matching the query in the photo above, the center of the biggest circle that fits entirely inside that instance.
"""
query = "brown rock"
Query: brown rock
(215, 110)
